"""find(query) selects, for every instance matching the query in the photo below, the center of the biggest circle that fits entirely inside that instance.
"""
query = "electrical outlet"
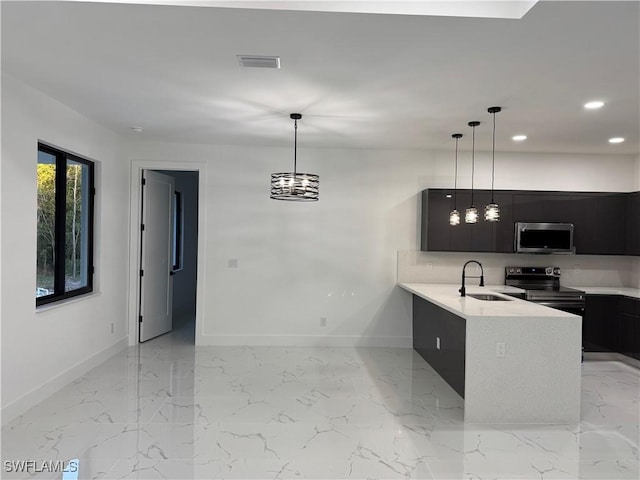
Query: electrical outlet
(323, 321)
(429, 266)
(112, 328)
(500, 350)
(232, 263)
(438, 343)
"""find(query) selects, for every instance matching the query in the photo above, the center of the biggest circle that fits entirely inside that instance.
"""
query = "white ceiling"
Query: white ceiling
(360, 80)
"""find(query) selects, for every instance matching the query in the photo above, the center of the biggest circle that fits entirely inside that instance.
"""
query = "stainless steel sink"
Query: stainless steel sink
(488, 297)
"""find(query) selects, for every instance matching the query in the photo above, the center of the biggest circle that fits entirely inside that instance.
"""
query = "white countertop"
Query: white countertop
(448, 297)
(627, 292)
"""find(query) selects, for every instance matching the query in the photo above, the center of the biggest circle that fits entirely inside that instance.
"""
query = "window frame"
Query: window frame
(61, 159)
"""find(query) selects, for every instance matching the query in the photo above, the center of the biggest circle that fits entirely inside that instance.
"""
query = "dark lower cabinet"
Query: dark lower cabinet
(439, 337)
(601, 323)
(630, 327)
(611, 323)
(628, 344)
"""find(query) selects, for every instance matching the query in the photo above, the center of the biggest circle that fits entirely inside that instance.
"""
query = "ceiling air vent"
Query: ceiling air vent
(258, 61)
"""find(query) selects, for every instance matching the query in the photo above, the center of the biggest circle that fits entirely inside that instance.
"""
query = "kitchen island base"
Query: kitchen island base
(516, 362)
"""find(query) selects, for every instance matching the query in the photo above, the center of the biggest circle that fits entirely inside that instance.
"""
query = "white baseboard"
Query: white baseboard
(21, 405)
(303, 341)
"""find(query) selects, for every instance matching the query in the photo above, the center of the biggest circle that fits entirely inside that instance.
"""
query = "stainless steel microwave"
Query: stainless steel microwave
(543, 238)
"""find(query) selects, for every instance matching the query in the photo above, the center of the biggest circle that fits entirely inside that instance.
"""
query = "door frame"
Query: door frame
(135, 203)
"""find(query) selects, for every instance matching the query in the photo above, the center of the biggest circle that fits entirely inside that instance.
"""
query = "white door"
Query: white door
(156, 279)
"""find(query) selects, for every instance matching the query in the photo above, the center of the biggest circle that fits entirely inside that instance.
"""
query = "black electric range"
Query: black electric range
(542, 285)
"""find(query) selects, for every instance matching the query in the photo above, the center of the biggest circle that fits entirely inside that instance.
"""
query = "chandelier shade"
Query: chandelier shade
(471, 215)
(492, 212)
(454, 218)
(295, 186)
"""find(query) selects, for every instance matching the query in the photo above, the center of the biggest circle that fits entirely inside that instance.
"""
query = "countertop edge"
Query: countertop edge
(623, 291)
(537, 311)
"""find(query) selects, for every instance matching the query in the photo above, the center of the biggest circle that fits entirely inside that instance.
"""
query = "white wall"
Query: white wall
(549, 171)
(337, 258)
(44, 349)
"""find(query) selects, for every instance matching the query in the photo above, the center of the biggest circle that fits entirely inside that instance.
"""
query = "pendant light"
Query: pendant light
(454, 216)
(471, 213)
(295, 186)
(492, 210)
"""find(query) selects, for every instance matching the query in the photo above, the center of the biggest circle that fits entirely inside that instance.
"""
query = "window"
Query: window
(64, 256)
(177, 241)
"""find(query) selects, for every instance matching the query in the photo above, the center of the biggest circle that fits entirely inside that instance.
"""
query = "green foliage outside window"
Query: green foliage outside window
(72, 211)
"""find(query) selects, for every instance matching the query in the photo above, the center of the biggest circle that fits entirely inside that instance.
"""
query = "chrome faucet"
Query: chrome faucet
(462, 289)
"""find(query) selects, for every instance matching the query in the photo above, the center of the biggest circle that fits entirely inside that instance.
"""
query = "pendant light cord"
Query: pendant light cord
(493, 158)
(473, 159)
(295, 146)
(455, 180)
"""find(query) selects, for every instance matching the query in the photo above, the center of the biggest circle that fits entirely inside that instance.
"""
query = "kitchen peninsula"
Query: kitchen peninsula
(512, 361)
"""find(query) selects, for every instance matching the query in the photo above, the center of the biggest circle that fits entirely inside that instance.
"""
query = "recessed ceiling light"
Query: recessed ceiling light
(616, 140)
(519, 138)
(137, 129)
(448, 195)
(593, 105)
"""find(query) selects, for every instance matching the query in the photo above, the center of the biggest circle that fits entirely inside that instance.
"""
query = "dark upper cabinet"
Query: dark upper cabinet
(633, 224)
(482, 232)
(529, 207)
(461, 234)
(435, 220)
(611, 224)
(504, 230)
(542, 207)
(437, 234)
(585, 225)
(604, 223)
(558, 207)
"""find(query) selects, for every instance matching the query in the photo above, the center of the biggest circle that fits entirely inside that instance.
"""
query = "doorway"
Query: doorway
(184, 252)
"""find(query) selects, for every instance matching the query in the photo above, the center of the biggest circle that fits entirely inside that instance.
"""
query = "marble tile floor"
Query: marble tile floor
(167, 409)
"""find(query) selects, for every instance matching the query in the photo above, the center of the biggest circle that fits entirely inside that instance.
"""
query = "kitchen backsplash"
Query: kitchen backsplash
(577, 270)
